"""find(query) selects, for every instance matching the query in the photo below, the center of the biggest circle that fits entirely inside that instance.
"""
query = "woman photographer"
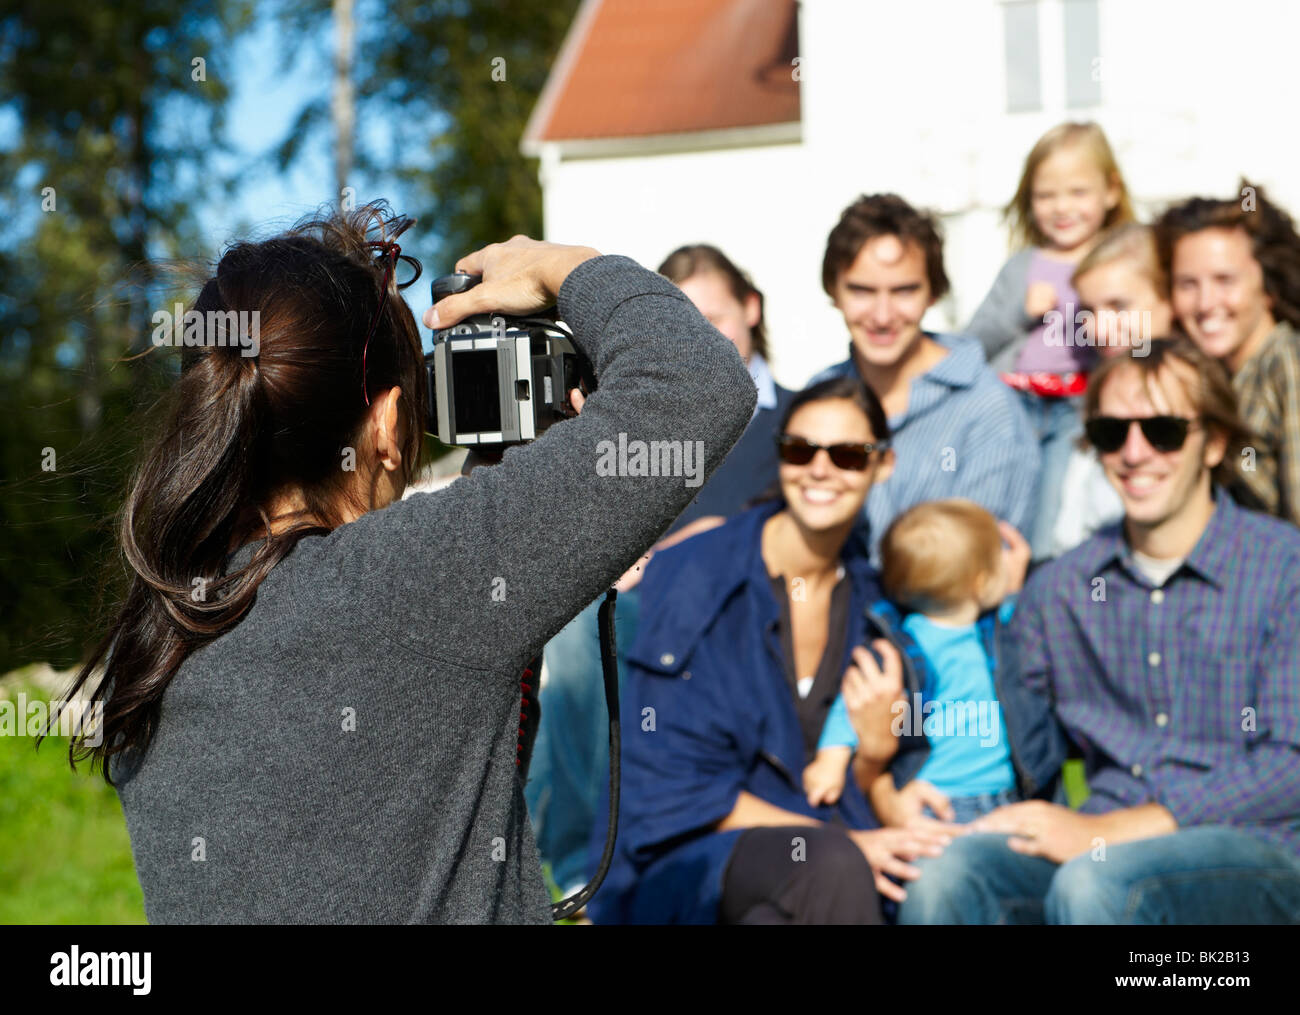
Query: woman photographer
(313, 685)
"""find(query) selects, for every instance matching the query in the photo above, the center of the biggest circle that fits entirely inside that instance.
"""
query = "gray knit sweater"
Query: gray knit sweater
(346, 754)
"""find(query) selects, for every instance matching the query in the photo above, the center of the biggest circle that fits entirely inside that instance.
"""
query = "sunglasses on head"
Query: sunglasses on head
(798, 451)
(1164, 433)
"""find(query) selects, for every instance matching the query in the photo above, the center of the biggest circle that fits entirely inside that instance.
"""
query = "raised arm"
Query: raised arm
(1000, 319)
(487, 570)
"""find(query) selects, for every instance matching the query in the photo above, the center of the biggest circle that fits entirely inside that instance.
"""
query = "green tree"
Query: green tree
(450, 85)
(117, 112)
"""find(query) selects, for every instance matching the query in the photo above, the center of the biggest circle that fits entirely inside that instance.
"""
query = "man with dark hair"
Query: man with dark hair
(1169, 647)
(958, 431)
(1234, 272)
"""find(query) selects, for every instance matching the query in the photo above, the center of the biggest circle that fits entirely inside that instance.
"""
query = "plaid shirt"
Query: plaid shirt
(1268, 395)
(1187, 695)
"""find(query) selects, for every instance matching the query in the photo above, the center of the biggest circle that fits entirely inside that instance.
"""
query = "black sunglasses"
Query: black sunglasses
(1164, 433)
(798, 451)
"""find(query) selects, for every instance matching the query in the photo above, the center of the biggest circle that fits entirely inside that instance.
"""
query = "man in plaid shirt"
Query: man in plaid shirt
(1169, 645)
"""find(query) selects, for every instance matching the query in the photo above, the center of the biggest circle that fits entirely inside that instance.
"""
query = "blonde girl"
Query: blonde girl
(1071, 189)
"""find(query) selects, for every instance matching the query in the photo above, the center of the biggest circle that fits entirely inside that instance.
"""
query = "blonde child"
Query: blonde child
(1070, 190)
(945, 561)
(1124, 290)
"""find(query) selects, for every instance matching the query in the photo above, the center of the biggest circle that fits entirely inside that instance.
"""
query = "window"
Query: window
(1020, 32)
(1068, 31)
(1082, 54)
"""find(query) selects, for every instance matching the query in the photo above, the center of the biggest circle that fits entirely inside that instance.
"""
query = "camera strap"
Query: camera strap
(565, 908)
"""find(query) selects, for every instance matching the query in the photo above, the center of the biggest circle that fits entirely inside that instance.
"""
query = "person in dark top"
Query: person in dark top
(731, 303)
(747, 633)
(570, 754)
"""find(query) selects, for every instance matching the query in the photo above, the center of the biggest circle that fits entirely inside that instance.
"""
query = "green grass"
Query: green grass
(64, 852)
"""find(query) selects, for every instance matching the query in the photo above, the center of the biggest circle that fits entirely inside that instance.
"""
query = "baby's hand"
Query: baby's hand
(1039, 299)
(823, 779)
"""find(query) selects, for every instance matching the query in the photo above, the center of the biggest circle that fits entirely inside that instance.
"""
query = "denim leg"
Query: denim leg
(1057, 422)
(571, 754)
(978, 880)
(1210, 874)
(966, 809)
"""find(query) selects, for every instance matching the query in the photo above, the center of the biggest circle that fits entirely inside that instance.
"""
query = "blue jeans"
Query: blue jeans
(1208, 874)
(967, 808)
(1057, 423)
(571, 754)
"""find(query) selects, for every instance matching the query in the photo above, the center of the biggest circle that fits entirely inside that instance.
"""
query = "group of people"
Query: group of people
(855, 667)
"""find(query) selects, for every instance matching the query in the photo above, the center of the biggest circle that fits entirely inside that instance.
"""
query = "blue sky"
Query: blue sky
(265, 100)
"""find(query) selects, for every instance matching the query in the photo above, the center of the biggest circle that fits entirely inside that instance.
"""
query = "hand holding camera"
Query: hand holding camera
(502, 369)
(520, 276)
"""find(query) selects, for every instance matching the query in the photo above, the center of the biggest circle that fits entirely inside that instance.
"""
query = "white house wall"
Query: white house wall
(910, 97)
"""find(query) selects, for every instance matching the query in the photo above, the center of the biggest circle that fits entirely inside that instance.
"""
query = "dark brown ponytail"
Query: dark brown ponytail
(239, 432)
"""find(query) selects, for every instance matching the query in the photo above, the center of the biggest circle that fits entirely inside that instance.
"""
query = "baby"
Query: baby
(944, 561)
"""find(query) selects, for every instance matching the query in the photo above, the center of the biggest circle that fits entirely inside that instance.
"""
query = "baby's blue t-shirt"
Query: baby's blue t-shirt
(961, 717)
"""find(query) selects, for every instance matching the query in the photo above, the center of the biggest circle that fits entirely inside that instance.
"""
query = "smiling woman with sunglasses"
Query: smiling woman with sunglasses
(747, 633)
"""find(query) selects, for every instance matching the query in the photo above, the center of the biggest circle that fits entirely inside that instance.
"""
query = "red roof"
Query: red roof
(631, 68)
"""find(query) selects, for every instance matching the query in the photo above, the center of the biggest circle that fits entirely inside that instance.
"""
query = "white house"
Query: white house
(750, 124)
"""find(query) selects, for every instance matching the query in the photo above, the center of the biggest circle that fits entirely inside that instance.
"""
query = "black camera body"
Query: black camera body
(498, 379)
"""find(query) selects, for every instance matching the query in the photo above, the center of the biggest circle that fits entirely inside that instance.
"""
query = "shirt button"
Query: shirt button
(1158, 596)
(667, 659)
(1137, 771)
(1154, 658)
(1162, 719)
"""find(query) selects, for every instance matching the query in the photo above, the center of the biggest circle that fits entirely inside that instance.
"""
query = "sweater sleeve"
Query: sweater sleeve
(1001, 321)
(485, 571)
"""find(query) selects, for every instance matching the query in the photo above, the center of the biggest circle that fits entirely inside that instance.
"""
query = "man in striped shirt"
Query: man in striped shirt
(957, 430)
(1169, 645)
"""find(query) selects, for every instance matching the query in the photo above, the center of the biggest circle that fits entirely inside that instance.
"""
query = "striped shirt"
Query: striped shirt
(1268, 396)
(1187, 695)
(963, 434)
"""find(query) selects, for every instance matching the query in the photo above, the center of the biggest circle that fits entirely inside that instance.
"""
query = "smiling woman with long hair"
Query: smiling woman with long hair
(312, 688)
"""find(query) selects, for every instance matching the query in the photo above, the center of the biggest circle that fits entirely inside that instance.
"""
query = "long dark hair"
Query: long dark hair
(237, 432)
(1274, 242)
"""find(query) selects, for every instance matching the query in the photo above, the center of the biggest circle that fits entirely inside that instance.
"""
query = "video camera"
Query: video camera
(497, 379)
